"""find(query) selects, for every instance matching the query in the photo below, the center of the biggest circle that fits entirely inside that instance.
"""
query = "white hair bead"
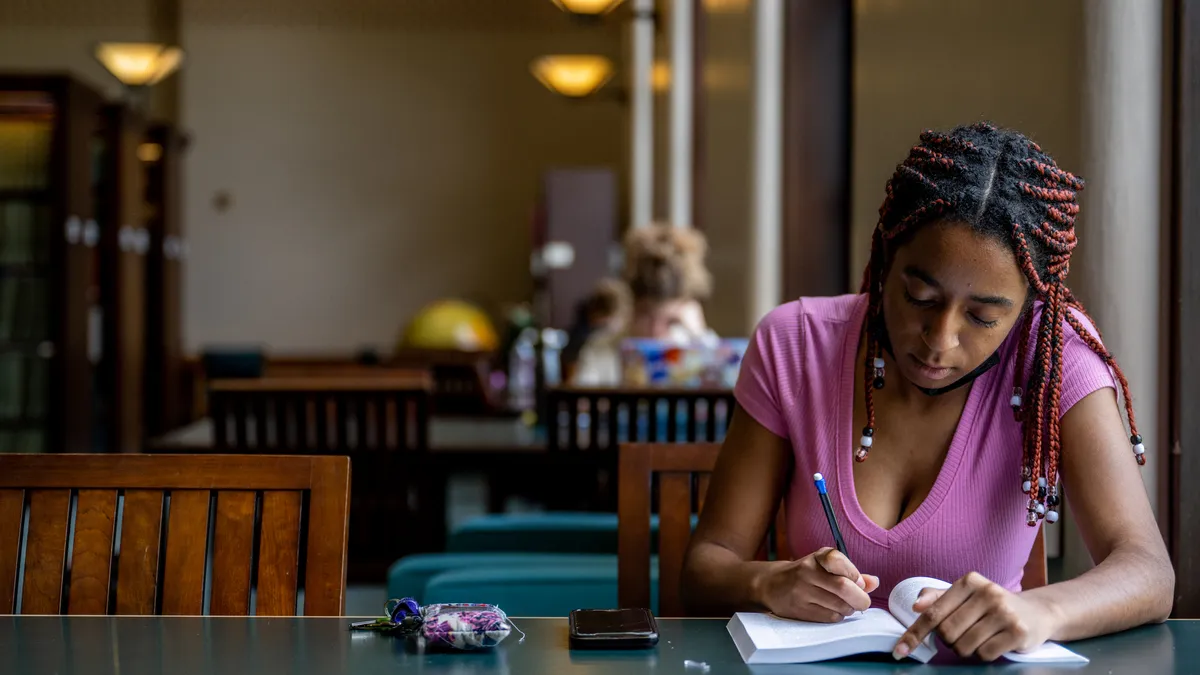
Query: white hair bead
(1041, 481)
(878, 362)
(865, 441)
(1026, 486)
(1052, 516)
(1041, 510)
(1139, 449)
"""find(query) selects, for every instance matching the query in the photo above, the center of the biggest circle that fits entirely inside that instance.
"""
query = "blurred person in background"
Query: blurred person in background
(667, 280)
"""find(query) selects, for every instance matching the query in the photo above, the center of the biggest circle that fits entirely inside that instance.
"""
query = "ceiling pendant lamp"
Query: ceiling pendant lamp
(573, 75)
(588, 7)
(139, 64)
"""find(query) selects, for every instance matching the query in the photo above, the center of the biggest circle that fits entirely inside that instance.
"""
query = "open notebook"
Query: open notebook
(765, 638)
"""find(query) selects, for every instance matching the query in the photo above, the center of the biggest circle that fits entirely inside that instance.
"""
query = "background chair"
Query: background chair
(380, 421)
(129, 534)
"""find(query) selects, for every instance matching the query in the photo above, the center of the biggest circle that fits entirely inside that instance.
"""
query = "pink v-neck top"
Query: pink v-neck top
(797, 380)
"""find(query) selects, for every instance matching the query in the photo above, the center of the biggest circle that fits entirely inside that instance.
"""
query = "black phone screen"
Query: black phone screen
(601, 622)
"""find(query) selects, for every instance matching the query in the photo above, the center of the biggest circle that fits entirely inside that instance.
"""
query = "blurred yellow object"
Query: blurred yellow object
(451, 324)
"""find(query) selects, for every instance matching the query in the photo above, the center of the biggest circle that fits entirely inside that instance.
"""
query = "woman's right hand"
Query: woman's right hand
(822, 587)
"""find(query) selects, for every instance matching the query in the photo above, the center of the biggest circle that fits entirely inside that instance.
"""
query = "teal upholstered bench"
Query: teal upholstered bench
(410, 576)
(537, 589)
(546, 532)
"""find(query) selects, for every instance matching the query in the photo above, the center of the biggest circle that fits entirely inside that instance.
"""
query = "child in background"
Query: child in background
(600, 319)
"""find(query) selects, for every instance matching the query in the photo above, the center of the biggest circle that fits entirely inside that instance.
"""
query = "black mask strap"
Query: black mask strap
(885, 342)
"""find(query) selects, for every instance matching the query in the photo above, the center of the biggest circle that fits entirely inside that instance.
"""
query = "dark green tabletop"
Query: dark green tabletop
(261, 646)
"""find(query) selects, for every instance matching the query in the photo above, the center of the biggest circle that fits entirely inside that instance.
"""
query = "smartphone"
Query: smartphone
(613, 629)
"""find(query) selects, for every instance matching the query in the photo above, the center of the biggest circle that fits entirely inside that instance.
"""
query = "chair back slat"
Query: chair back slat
(674, 530)
(46, 551)
(633, 527)
(278, 553)
(137, 568)
(187, 543)
(91, 555)
(1036, 575)
(325, 558)
(151, 517)
(233, 553)
(12, 514)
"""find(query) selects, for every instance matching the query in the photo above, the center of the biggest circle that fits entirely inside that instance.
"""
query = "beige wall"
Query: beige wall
(375, 158)
(939, 63)
(369, 172)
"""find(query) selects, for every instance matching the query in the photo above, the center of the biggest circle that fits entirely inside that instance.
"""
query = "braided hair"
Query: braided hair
(1002, 185)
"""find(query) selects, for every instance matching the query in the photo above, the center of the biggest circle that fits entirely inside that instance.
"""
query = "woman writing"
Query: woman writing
(944, 404)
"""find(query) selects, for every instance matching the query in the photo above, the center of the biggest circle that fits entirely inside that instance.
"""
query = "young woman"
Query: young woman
(943, 405)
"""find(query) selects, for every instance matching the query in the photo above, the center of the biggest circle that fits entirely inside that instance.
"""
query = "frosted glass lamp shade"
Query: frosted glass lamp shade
(573, 75)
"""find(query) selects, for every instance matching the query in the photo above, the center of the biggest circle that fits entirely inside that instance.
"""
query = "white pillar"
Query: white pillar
(681, 112)
(766, 187)
(1117, 274)
(641, 187)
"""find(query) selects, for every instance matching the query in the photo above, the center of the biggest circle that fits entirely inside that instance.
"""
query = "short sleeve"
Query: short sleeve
(1083, 371)
(757, 388)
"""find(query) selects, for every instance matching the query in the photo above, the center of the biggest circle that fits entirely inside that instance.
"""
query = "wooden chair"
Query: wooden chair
(258, 509)
(381, 423)
(598, 419)
(683, 472)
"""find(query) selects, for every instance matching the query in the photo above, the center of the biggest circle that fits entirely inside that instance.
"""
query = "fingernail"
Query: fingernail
(900, 651)
(861, 583)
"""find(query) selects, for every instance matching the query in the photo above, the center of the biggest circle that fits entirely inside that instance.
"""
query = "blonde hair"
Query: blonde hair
(663, 262)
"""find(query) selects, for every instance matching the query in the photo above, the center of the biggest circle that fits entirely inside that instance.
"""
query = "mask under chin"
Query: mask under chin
(881, 335)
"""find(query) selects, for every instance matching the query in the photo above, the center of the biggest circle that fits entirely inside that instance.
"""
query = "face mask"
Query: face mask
(990, 362)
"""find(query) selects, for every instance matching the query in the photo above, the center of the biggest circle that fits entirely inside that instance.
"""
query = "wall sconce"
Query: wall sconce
(573, 75)
(589, 8)
(139, 65)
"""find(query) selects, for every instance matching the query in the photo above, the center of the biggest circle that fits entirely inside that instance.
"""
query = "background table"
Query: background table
(264, 646)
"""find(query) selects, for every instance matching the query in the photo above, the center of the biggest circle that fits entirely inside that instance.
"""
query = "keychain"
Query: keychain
(457, 626)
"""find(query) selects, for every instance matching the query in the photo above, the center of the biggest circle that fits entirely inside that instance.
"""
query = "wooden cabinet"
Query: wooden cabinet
(52, 154)
(124, 244)
(166, 384)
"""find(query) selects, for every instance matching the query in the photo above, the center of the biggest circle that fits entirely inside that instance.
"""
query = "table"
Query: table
(264, 646)
(504, 449)
(446, 434)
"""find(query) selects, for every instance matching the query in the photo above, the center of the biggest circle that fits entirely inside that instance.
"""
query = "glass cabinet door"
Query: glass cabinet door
(26, 347)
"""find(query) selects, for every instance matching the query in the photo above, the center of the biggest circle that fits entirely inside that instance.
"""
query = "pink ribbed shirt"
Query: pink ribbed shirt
(797, 380)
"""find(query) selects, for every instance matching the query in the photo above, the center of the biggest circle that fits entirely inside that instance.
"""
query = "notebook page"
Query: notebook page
(772, 632)
(765, 638)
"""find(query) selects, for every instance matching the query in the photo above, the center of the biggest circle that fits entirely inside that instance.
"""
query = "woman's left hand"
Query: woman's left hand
(978, 618)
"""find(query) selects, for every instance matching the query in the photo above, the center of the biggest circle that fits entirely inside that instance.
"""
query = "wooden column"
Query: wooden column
(818, 119)
(1184, 465)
